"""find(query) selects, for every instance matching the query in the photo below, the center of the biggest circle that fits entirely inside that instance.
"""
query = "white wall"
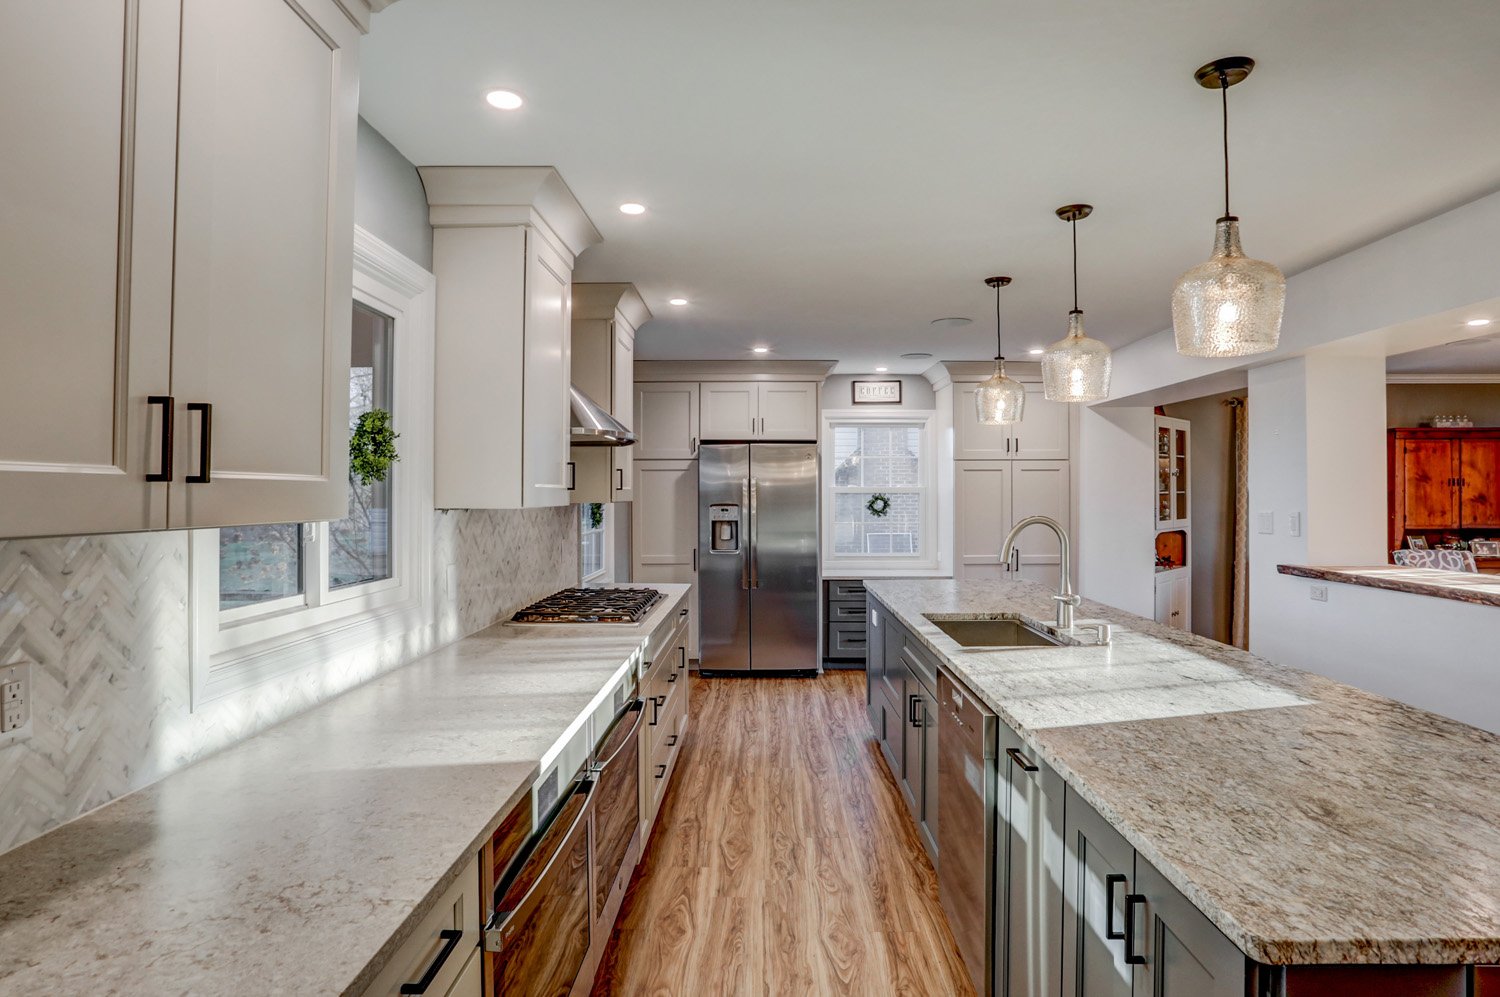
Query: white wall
(1116, 482)
(1409, 405)
(1210, 485)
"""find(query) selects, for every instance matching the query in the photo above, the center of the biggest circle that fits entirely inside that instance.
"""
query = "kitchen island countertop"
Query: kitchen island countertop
(1311, 821)
(297, 861)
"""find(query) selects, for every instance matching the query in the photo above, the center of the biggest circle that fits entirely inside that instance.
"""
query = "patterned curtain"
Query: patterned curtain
(1239, 589)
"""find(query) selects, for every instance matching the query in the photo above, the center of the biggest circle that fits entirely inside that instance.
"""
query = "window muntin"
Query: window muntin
(878, 459)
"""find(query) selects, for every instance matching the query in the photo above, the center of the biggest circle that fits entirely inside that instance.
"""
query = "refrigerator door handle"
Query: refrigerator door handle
(754, 536)
(745, 514)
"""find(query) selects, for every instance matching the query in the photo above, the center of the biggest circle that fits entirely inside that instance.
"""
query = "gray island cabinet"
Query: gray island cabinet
(1077, 904)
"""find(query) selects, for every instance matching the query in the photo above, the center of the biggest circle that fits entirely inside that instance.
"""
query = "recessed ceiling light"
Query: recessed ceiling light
(1036, 351)
(762, 349)
(916, 356)
(633, 208)
(679, 302)
(881, 370)
(1475, 323)
(952, 321)
(505, 100)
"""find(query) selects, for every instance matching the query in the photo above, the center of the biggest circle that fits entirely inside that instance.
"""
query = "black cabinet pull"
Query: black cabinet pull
(661, 771)
(205, 444)
(572, 475)
(1110, 882)
(619, 479)
(672, 676)
(672, 741)
(450, 937)
(168, 440)
(1131, 899)
(1026, 764)
(913, 707)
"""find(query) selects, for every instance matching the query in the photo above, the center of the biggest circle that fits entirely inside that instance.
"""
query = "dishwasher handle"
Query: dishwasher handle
(500, 927)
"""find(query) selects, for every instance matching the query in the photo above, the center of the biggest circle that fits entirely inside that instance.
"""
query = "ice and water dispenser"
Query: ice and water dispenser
(724, 537)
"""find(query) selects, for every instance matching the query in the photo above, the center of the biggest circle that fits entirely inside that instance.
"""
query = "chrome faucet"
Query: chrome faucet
(1065, 598)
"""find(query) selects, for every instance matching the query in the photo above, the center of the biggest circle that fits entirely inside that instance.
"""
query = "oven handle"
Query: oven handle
(495, 931)
(639, 709)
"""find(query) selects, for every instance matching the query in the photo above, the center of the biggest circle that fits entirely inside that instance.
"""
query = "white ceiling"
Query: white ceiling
(826, 178)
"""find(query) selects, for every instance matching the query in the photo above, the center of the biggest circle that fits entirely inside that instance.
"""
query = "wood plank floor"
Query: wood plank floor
(784, 861)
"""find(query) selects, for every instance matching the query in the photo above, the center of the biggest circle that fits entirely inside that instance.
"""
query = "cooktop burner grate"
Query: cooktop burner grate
(578, 605)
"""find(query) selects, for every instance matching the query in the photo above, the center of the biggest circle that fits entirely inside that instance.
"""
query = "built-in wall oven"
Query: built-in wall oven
(545, 936)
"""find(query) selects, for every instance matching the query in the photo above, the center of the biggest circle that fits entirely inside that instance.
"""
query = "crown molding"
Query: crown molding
(386, 264)
(592, 300)
(973, 371)
(733, 370)
(480, 196)
(1442, 379)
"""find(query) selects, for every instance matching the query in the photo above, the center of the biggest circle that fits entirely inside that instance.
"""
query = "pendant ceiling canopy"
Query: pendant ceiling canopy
(1001, 400)
(1230, 305)
(1076, 367)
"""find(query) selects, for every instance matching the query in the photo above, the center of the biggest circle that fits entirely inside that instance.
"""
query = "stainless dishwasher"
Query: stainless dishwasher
(966, 825)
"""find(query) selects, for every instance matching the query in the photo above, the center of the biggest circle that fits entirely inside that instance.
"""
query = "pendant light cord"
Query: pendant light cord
(1224, 93)
(999, 349)
(1073, 224)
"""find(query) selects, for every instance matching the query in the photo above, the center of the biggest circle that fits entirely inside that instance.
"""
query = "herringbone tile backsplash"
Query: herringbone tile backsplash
(106, 620)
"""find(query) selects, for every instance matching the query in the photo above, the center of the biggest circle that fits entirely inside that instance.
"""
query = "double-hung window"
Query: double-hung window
(878, 484)
(593, 542)
(273, 598)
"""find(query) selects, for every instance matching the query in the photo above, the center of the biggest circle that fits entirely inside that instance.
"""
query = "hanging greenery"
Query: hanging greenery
(878, 505)
(372, 447)
(596, 514)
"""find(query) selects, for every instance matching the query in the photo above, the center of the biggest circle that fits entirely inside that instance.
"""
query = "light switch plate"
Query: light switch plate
(15, 701)
(1265, 522)
(1319, 593)
(1294, 524)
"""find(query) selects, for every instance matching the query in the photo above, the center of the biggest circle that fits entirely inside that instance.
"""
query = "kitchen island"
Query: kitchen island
(1312, 823)
(300, 860)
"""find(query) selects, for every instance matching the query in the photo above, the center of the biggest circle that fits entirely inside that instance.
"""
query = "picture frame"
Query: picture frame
(1416, 543)
(1485, 548)
(886, 392)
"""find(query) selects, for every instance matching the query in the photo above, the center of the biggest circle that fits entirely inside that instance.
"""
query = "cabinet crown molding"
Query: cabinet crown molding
(602, 300)
(969, 371)
(733, 370)
(466, 196)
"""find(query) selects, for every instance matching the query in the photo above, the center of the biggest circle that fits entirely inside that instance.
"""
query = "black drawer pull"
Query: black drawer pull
(661, 771)
(450, 937)
(913, 710)
(855, 640)
(205, 473)
(672, 676)
(1131, 899)
(168, 440)
(1021, 760)
(1110, 882)
(672, 741)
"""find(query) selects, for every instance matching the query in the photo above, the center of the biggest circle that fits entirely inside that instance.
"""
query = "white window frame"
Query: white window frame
(606, 572)
(928, 560)
(235, 649)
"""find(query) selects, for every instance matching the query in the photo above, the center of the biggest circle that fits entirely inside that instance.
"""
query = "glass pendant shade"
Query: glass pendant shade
(1001, 399)
(1231, 305)
(1076, 368)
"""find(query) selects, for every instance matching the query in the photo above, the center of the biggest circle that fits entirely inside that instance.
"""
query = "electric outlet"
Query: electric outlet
(10, 692)
(15, 701)
(1319, 593)
(13, 718)
(1294, 524)
(1265, 522)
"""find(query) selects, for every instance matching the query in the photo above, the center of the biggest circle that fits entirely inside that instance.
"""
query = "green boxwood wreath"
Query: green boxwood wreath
(878, 505)
(372, 447)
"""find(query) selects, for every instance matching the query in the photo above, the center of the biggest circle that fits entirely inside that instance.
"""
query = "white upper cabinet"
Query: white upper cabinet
(605, 320)
(504, 243)
(666, 420)
(183, 237)
(992, 496)
(759, 410)
(1042, 433)
(730, 410)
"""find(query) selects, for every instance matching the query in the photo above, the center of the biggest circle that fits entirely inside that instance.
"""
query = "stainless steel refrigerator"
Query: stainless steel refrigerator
(758, 556)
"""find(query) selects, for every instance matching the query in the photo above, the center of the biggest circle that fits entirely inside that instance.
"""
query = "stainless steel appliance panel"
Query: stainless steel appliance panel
(724, 575)
(784, 556)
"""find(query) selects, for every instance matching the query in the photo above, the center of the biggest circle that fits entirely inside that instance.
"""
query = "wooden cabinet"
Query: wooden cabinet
(664, 529)
(503, 246)
(666, 421)
(187, 237)
(967, 811)
(1174, 598)
(605, 320)
(993, 495)
(759, 410)
(1044, 432)
(1029, 865)
(1443, 480)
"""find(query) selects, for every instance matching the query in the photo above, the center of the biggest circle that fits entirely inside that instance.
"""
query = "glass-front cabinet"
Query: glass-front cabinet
(1171, 473)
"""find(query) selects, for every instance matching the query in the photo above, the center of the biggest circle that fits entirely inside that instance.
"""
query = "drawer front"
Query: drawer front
(854, 590)
(428, 952)
(847, 640)
(846, 612)
(922, 664)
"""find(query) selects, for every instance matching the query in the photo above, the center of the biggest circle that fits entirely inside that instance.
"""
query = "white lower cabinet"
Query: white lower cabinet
(1174, 598)
(442, 953)
(664, 530)
(993, 495)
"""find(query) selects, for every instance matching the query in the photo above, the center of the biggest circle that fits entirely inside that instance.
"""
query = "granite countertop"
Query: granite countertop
(298, 860)
(1311, 821)
(1464, 586)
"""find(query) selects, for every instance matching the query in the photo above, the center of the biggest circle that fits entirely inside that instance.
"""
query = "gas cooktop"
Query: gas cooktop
(614, 605)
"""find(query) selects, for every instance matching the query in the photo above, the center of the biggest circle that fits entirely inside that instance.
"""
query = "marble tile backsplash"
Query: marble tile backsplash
(106, 620)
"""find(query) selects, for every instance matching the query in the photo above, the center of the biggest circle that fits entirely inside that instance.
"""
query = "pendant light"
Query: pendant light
(1075, 368)
(1231, 305)
(1001, 399)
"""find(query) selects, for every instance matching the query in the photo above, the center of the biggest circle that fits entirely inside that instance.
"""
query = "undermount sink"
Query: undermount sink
(992, 632)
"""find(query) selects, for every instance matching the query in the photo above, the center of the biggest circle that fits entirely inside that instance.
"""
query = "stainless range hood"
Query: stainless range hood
(593, 426)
